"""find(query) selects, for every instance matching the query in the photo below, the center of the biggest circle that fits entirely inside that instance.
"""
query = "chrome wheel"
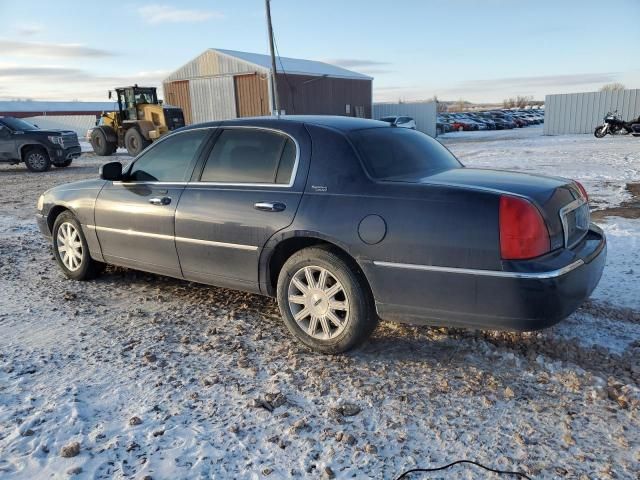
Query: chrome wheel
(37, 161)
(318, 302)
(69, 246)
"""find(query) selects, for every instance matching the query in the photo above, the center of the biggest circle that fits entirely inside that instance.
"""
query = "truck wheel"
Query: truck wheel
(325, 302)
(71, 250)
(101, 146)
(135, 142)
(37, 159)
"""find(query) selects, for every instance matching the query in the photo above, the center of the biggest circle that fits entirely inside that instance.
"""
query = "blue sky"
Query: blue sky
(479, 50)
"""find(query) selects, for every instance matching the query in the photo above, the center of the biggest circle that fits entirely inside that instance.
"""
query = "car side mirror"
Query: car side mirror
(111, 171)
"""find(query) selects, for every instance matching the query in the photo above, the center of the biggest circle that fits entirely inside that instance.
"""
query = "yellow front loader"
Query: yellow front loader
(141, 118)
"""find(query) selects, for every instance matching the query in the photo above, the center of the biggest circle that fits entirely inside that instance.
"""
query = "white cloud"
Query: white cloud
(56, 82)
(47, 50)
(28, 29)
(155, 14)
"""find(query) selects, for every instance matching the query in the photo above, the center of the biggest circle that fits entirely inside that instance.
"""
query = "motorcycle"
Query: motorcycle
(613, 125)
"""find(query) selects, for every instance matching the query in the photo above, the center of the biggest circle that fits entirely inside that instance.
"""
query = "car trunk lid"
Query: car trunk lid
(559, 200)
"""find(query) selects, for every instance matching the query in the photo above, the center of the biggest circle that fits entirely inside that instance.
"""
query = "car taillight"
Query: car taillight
(582, 190)
(523, 232)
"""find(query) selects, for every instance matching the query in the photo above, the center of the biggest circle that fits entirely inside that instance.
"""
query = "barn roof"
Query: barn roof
(37, 106)
(294, 65)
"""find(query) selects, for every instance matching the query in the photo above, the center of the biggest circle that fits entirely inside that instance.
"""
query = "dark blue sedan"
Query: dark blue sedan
(345, 221)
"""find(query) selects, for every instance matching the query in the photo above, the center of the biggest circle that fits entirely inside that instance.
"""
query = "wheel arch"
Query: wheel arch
(278, 251)
(24, 148)
(54, 212)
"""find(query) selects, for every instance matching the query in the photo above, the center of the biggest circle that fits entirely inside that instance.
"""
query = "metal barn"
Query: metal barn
(424, 113)
(583, 112)
(220, 84)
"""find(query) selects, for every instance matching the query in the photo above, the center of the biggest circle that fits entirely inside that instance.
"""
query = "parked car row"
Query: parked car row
(489, 120)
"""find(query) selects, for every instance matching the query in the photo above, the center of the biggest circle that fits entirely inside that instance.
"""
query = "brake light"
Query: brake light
(523, 232)
(582, 190)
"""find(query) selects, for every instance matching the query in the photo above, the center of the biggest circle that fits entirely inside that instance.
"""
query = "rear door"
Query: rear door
(249, 187)
(134, 218)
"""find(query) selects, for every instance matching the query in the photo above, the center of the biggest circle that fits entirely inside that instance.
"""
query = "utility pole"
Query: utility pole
(275, 107)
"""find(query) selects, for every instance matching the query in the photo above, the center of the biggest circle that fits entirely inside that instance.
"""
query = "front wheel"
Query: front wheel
(324, 301)
(135, 142)
(600, 131)
(37, 159)
(71, 250)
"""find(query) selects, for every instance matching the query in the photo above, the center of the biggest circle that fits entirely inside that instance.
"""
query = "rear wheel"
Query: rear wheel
(135, 142)
(101, 145)
(325, 302)
(37, 159)
(600, 131)
(71, 250)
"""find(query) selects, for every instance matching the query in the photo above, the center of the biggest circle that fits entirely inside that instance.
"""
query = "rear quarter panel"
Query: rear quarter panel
(425, 224)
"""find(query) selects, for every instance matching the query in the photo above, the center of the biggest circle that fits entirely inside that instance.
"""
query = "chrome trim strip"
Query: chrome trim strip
(488, 273)
(237, 246)
(292, 179)
(568, 208)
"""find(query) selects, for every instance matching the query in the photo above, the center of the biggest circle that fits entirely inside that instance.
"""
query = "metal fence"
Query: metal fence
(583, 112)
(78, 123)
(424, 113)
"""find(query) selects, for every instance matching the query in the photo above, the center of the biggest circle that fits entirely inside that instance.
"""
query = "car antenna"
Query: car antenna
(274, 83)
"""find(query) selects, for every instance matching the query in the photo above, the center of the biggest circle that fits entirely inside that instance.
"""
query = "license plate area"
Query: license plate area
(575, 219)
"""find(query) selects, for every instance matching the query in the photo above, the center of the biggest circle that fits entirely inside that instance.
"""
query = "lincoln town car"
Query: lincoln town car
(344, 221)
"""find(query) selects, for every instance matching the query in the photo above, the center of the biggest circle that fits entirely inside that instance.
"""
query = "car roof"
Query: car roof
(334, 122)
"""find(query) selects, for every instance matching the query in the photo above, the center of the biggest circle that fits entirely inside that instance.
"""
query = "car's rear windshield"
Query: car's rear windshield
(401, 153)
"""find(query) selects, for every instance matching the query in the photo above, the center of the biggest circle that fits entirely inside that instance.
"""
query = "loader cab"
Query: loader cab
(130, 97)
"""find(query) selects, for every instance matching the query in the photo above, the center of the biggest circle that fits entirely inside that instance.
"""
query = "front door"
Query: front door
(247, 191)
(134, 218)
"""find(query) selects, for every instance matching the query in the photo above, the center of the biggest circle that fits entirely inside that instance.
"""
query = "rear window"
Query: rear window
(394, 153)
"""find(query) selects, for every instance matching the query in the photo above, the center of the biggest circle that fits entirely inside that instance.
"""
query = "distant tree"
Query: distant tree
(520, 101)
(460, 105)
(612, 87)
(440, 106)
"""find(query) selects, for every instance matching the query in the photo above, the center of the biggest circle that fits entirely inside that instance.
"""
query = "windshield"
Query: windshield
(17, 124)
(390, 153)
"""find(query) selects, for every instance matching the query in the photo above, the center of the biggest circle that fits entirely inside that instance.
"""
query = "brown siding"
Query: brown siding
(177, 94)
(312, 95)
(252, 95)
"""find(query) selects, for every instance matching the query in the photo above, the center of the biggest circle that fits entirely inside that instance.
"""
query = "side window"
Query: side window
(250, 156)
(171, 160)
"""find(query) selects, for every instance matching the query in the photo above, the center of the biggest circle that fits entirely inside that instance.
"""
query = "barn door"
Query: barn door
(252, 95)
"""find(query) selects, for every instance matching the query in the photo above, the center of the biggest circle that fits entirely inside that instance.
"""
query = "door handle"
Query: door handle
(160, 201)
(270, 206)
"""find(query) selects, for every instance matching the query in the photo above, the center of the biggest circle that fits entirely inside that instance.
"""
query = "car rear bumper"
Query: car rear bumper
(528, 297)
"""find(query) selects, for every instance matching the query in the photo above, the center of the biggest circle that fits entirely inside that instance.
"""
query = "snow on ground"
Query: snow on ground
(158, 377)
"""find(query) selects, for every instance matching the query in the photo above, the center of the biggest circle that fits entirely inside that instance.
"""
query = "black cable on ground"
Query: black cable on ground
(437, 469)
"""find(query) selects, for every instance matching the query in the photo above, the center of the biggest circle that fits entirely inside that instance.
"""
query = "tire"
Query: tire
(37, 159)
(600, 131)
(65, 227)
(135, 142)
(355, 310)
(66, 163)
(101, 145)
